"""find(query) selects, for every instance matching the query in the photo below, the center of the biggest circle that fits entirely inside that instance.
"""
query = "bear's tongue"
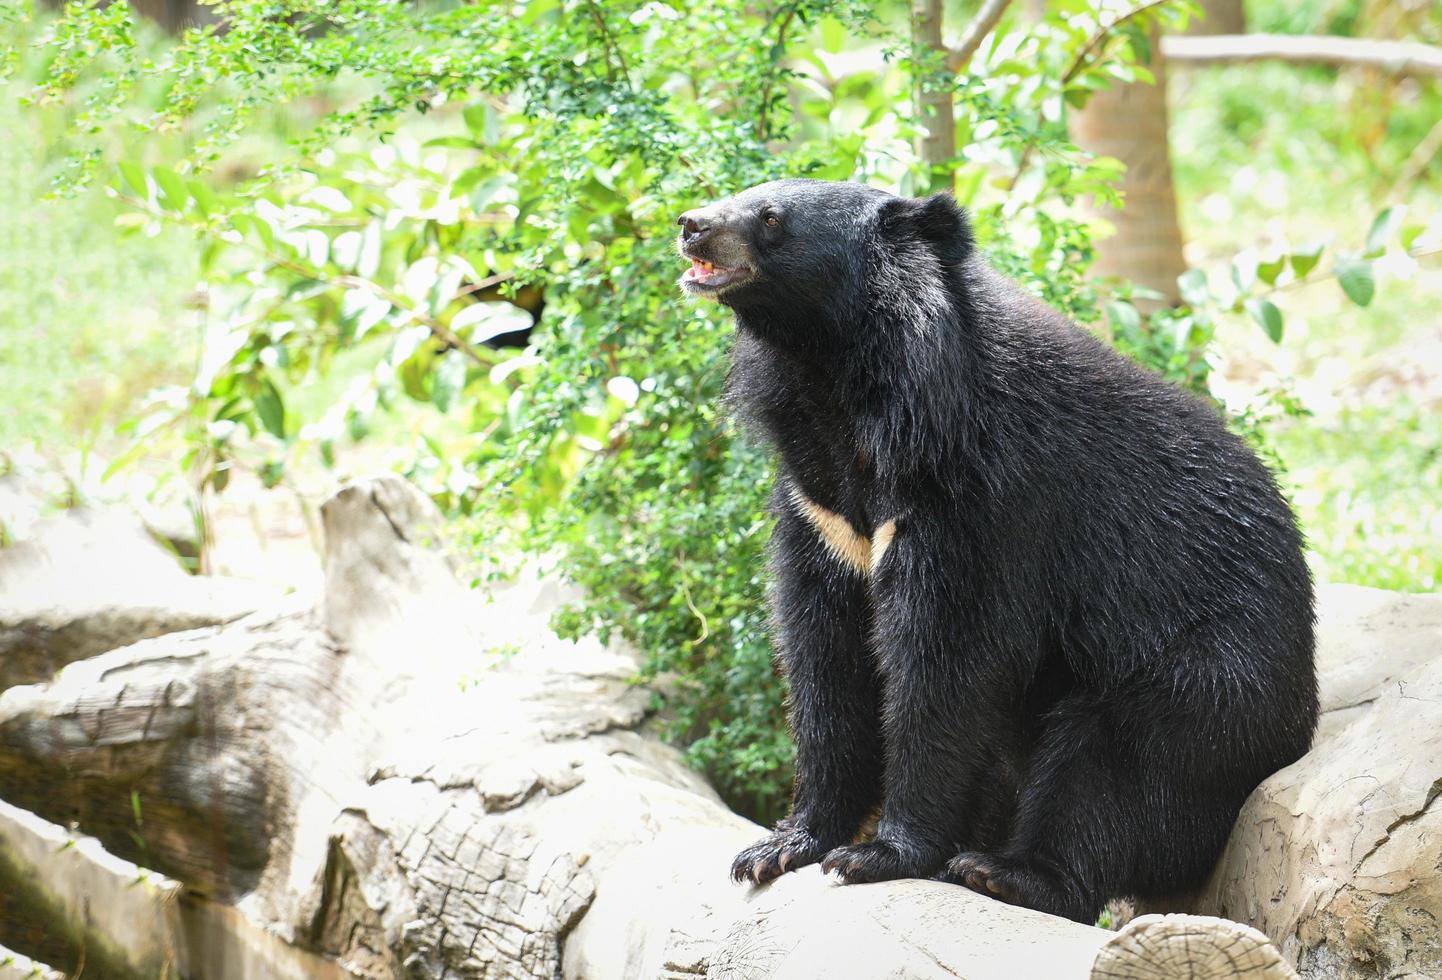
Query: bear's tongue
(702, 270)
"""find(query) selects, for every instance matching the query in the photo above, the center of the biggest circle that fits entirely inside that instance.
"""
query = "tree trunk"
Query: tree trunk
(331, 803)
(935, 108)
(1219, 17)
(1129, 122)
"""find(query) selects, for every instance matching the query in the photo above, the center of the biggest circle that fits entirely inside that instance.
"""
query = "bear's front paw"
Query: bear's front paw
(786, 849)
(877, 860)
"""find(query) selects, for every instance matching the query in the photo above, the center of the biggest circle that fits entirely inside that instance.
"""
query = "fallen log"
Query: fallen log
(335, 802)
(1392, 57)
(86, 581)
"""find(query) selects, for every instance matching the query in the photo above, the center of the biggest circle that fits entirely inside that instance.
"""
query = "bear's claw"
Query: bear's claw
(785, 849)
(873, 861)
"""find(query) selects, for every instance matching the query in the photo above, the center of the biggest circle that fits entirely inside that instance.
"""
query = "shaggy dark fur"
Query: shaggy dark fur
(1034, 603)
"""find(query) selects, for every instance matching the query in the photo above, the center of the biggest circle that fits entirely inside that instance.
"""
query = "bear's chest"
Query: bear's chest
(814, 422)
(821, 457)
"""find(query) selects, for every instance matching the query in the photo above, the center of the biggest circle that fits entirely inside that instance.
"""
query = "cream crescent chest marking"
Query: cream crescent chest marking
(856, 551)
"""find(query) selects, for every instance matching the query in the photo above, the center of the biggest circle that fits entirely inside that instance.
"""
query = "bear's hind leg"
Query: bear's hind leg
(1132, 792)
(1075, 828)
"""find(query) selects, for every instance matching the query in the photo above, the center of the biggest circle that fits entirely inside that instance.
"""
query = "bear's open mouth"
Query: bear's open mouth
(704, 276)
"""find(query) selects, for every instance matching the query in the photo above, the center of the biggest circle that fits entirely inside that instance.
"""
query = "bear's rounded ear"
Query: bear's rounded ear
(937, 220)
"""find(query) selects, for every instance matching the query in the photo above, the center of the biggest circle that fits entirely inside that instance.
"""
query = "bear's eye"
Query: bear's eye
(771, 218)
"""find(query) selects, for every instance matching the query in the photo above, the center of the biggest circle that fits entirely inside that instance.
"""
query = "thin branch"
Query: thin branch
(613, 50)
(1420, 157)
(484, 284)
(438, 329)
(1394, 57)
(1104, 32)
(981, 25)
(762, 123)
(686, 595)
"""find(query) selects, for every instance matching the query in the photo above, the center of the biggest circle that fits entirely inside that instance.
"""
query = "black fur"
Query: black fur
(1091, 636)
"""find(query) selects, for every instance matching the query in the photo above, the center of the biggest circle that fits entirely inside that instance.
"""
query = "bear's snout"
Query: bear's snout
(695, 224)
(720, 256)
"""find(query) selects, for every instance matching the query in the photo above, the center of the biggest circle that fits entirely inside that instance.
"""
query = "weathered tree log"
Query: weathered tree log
(1338, 857)
(85, 581)
(1392, 57)
(337, 804)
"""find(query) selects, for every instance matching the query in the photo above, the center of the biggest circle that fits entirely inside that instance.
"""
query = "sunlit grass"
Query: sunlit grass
(89, 320)
(1368, 489)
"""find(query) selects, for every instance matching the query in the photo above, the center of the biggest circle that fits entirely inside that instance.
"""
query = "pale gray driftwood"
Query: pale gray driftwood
(86, 581)
(338, 803)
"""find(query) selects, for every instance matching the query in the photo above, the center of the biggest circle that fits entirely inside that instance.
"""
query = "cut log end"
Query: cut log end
(1189, 947)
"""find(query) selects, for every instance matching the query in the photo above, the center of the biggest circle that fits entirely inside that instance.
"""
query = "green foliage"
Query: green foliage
(70, 289)
(1372, 517)
(564, 139)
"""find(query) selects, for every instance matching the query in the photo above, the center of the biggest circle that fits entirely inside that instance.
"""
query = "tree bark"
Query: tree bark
(83, 582)
(333, 804)
(1219, 17)
(935, 107)
(1129, 122)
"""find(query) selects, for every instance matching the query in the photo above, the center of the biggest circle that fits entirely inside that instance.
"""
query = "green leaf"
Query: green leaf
(1194, 288)
(362, 310)
(134, 176)
(1269, 270)
(136, 451)
(449, 379)
(1306, 256)
(270, 408)
(177, 195)
(1383, 227)
(453, 143)
(204, 198)
(1124, 317)
(1357, 279)
(369, 260)
(1268, 317)
(481, 120)
(479, 322)
(272, 472)
(345, 250)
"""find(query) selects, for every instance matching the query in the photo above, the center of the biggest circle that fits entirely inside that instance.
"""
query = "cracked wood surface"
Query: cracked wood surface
(1339, 857)
(83, 582)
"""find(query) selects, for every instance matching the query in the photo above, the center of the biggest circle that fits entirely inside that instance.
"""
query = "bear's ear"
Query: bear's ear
(936, 220)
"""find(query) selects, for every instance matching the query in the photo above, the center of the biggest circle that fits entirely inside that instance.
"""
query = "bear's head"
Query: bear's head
(809, 246)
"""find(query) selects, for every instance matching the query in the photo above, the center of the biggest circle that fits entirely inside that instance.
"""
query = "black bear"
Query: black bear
(1037, 607)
